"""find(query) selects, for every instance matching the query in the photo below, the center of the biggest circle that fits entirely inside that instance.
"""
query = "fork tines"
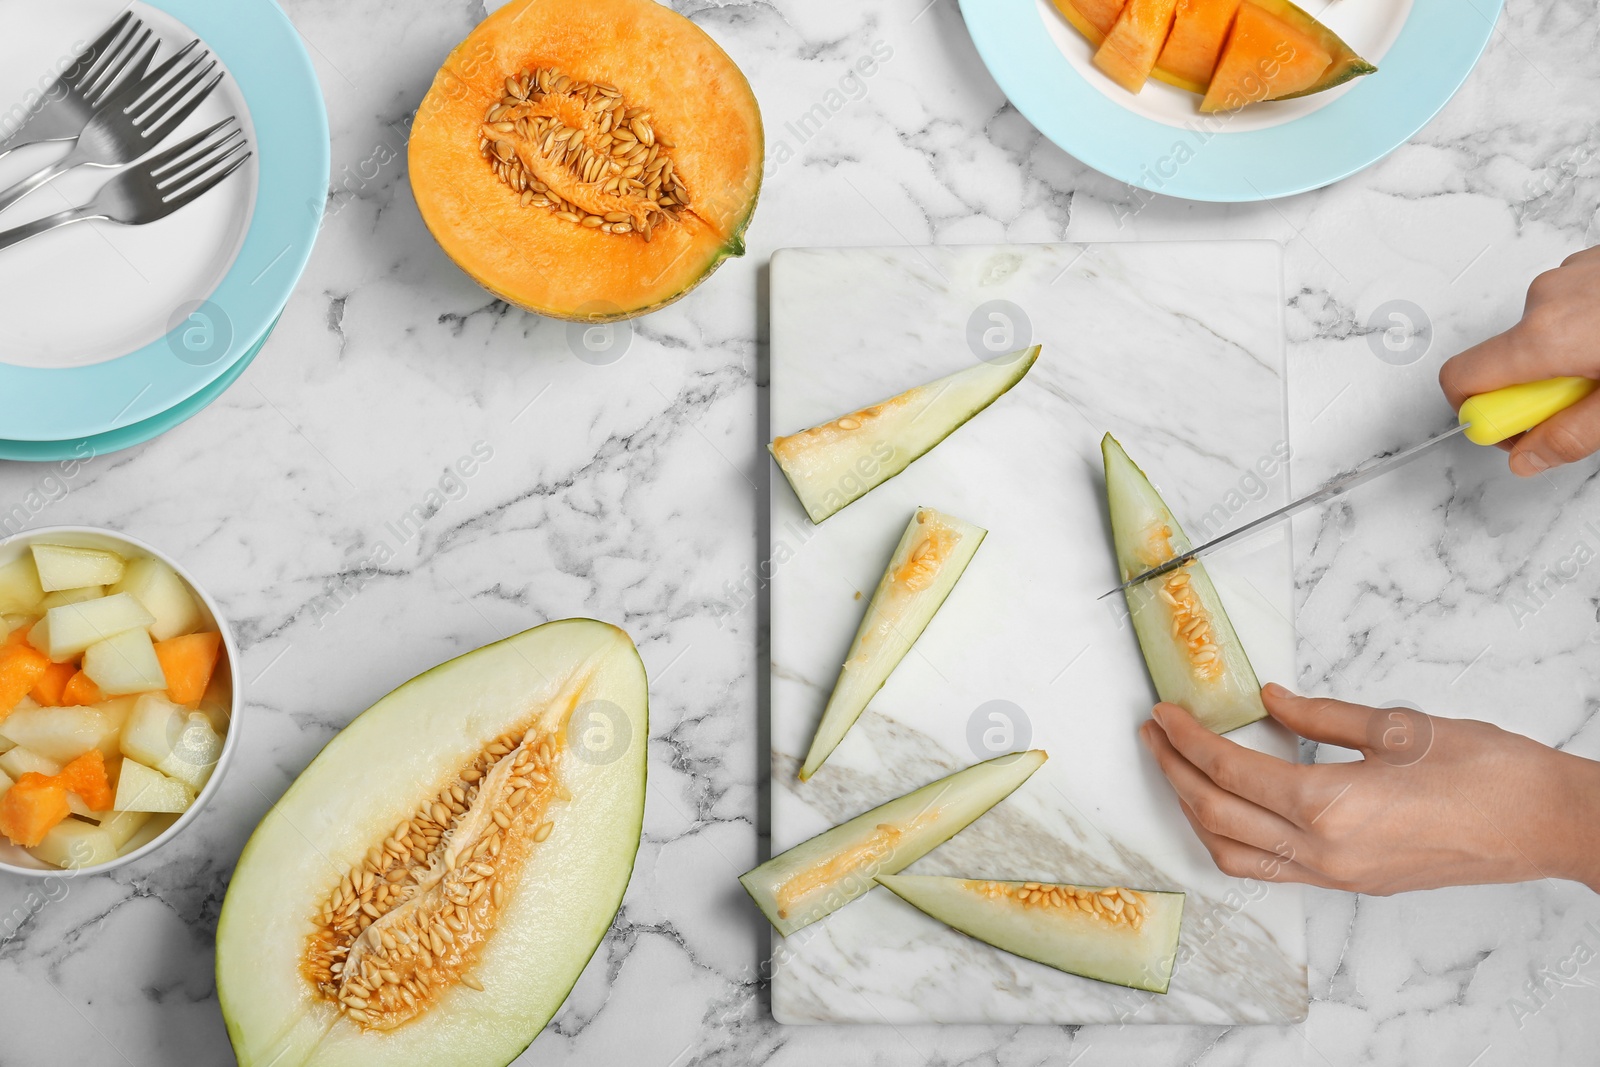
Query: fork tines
(171, 92)
(195, 165)
(100, 67)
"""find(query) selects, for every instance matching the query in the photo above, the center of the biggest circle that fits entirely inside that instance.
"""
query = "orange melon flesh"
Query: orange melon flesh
(1265, 58)
(80, 691)
(21, 667)
(52, 684)
(1101, 14)
(33, 804)
(86, 776)
(1129, 52)
(187, 663)
(1198, 31)
(697, 100)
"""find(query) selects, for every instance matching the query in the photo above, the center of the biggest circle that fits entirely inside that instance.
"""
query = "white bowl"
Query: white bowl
(15, 860)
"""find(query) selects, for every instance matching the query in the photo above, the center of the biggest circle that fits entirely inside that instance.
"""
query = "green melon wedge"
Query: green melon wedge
(932, 555)
(1217, 684)
(840, 461)
(820, 876)
(1122, 936)
(561, 859)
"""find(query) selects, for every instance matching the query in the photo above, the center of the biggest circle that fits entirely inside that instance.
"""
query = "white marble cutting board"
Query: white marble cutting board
(1177, 349)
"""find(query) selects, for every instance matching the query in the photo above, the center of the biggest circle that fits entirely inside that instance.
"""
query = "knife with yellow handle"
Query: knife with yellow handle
(1485, 419)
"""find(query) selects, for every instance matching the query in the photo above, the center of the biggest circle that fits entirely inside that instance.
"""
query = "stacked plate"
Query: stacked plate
(112, 334)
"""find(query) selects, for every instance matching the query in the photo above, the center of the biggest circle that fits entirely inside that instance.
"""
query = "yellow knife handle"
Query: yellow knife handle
(1502, 413)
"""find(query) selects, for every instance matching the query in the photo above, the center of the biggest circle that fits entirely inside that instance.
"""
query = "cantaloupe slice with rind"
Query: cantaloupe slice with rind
(564, 703)
(932, 555)
(1195, 658)
(1265, 58)
(817, 877)
(839, 461)
(1127, 937)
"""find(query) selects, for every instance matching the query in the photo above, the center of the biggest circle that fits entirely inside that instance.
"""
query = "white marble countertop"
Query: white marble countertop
(633, 491)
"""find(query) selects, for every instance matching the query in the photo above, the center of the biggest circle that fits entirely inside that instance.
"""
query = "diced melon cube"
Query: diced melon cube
(20, 591)
(39, 638)
(72, 628)
(62, 734)
(158, 587)
(122, 825)
(126, 663)
(13, 621)
(72, 596)
(5, 783)
(154, 828)
(179, 744)
(19, 761)
(65, 567)
(74, 844)
(141, 788)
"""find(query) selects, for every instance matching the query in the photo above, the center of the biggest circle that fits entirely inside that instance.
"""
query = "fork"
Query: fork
(134, 120)
(114, 59)
(157, 186)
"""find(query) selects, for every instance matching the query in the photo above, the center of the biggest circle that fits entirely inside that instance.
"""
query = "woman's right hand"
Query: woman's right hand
(1559, 335)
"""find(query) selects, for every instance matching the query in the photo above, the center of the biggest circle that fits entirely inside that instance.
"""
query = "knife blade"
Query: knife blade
(1485, 419)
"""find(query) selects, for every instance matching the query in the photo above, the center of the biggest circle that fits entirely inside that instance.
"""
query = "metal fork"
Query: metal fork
(114, 60)
(156, 187)
(134, 120)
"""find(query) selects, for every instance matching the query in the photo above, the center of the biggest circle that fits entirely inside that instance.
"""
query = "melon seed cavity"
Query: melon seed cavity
(406, 923)
(580, 151)
(1112, 904)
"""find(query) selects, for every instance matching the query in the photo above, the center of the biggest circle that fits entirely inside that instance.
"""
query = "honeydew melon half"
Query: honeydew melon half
(820, 876)
(932, 555)
(1195, 658)
(839, 461)
(1127, 937)
(516, 773)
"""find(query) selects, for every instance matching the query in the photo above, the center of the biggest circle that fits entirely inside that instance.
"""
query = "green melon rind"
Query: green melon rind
(1346, 63)
(304, 1033)
(954, 801)
(1226, 703)
(854, 690)
(949, 415)
(1142, 959)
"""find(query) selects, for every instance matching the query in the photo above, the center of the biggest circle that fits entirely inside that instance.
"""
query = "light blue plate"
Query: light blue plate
(1436, 49)
(138, 433)
(264, 54)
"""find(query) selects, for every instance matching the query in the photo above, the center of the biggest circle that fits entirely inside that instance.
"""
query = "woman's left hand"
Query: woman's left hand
(1435, 801)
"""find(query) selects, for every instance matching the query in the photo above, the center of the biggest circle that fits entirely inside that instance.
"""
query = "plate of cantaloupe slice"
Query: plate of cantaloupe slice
(1228, 100)
(116, 700)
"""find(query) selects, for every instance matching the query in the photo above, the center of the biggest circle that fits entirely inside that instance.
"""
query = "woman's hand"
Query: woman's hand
(1435, 802)
(1559, 335)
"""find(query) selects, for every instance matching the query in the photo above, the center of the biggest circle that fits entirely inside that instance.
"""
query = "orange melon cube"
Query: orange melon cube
(86, 776)
(187, 662)
(1199, 29)
(21, 667)
(80, 692)
(52, 684)
(34, 803)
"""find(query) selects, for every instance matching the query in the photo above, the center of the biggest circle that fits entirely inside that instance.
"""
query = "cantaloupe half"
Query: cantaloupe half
(431, 886)
(1200, 28)
(523, 151)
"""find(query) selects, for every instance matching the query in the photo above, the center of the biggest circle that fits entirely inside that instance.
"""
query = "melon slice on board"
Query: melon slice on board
(1127, 937)
(817, 877)
(840, 461)
(1195, 658)
(932, 555)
